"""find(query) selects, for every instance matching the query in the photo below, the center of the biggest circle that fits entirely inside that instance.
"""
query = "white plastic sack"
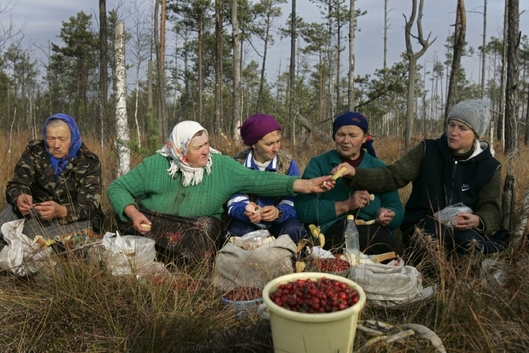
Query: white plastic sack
(391, 284)
(22, 256)
(446, 215)
(124, 255)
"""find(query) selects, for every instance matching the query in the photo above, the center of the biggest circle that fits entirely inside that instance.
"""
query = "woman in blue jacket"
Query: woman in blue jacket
(262, 134)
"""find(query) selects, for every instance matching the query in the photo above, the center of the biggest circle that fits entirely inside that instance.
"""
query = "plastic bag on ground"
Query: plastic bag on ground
(22, 255)
(391, 284)
(124, 255)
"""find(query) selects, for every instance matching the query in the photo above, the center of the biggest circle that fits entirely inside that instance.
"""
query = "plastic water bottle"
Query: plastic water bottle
(352, 242)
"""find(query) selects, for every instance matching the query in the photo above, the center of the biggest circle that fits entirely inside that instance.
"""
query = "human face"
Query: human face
(267, 147)
(349, 140)
(58, 139)
(460, 136)
(198, 151)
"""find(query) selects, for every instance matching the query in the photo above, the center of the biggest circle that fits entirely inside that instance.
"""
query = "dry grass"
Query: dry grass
(80, 307)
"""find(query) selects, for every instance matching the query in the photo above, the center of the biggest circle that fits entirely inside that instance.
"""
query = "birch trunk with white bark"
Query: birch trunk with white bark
(122, 128)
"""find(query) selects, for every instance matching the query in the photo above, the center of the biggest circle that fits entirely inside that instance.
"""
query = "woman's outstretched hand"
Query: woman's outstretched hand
(349, 170)
(314, 185)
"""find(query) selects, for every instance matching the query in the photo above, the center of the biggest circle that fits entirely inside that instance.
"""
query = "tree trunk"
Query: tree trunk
(157, 51)
(351, 89)
(459, 45)
(236, 67)
(218, 67)
(149, 85)
(412, 63)
(338, 61)
(503, 90)
(483, 51)
(122, 129)
(159, 41)
(526, 140)
(102, 69)
(511, 99)
(292, 74)
(386, 27)
(410, 102)
(161, 72)
(263, 66)
(200, 25)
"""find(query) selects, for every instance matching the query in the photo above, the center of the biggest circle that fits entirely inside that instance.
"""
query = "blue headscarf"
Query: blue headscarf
(357, 119)
(75, 143)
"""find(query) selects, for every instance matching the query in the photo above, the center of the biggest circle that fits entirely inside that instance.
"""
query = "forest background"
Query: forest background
(180, 65)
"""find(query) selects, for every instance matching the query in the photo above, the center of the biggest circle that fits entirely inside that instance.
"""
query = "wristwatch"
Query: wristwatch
(280, 214)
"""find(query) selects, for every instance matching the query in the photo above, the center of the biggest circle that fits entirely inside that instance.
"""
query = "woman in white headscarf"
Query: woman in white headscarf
(192, 182)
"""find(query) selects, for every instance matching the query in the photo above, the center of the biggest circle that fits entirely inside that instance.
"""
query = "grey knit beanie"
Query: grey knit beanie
(473, 112)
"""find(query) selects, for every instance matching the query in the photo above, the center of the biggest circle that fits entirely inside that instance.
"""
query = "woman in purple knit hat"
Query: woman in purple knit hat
(248, 212)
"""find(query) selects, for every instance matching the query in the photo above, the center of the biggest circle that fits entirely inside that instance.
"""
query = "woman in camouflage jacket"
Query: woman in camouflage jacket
(57, 184)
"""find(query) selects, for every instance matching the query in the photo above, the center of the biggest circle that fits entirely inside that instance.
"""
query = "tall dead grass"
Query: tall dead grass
(80, 307)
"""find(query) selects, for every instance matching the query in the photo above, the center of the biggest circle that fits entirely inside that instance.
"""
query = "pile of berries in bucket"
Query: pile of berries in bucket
(315, 296)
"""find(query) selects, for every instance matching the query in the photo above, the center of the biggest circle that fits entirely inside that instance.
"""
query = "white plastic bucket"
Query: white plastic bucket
(294, 332)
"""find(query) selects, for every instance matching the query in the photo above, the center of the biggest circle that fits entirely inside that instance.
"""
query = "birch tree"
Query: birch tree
(122, 129)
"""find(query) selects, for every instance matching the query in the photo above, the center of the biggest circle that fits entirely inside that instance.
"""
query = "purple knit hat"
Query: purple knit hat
(256, 127)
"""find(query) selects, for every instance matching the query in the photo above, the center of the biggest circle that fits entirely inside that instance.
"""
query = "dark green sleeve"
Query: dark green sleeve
(488, 207)
(391, 177)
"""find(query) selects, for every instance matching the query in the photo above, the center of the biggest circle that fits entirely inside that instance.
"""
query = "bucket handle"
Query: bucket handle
(261, 310)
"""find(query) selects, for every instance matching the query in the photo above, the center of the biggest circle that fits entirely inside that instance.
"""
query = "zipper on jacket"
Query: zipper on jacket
(452, 183)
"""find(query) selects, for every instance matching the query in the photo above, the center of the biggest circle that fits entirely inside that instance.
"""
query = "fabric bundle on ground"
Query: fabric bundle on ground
(237, 267)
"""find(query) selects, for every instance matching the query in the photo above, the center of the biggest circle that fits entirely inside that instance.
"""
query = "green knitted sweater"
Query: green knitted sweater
(158, 191)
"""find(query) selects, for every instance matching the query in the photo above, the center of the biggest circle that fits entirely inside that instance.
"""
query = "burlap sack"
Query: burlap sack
(236, 267)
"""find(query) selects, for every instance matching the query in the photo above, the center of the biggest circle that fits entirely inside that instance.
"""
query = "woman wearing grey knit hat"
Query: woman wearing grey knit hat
(455, 168)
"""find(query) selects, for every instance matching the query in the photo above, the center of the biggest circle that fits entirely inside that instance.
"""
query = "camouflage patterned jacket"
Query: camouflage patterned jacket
(79, 188)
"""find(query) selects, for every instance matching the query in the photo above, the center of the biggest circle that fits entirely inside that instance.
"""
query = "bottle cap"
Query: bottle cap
(350, 217)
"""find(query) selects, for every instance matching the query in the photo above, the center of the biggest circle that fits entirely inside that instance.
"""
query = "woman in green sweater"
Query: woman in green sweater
(380, 215)
(185, 179)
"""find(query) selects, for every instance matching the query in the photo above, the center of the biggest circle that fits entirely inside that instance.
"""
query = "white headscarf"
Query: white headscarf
(177, 147)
